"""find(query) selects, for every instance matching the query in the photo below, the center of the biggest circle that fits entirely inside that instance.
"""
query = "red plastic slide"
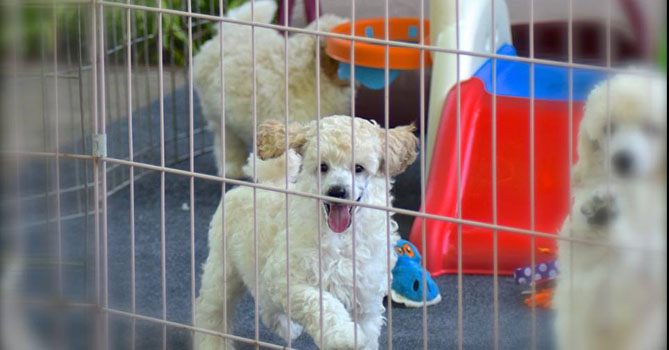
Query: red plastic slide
(551, 180)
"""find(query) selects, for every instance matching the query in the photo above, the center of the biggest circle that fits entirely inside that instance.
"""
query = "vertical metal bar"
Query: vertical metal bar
(353, 219)
(173, 71)
(83, 144)
(533, 324)
(570, 49)
(147, 72)
(73, 129)
(103, 122)
(131, 157)
(607, 165)
(163, 268)
(607, 148)
(59, 238)
(16, 35)
(141, 136)
(184, 7)
(317, 63)
(96, 173)
(191, 143)
(459, 169)
(256, 288)
(115, 132)
(386, 119)
(45, 134)
(609, 44)
(163, 254)
(222, 162)
(60, 327)
(286, 111)
(495, 233)
(423, 163)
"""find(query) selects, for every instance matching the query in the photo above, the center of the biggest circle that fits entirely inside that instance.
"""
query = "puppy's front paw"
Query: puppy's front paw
(341, 337)
(601, 208)
(285, 328)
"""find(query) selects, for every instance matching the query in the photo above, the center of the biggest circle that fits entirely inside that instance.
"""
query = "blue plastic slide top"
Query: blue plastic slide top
(550, 82)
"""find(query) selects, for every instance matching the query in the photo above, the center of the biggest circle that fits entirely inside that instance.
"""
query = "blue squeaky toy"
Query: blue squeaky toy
(407, 286)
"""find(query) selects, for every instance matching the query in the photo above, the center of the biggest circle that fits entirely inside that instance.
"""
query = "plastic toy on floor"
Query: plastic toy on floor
(544, 283)
(543, 298)
(407, 286)
(542, 271)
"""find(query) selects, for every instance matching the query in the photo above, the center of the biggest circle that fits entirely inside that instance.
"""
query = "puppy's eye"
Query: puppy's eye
(359, 168)
(651, 129)
(324, 168)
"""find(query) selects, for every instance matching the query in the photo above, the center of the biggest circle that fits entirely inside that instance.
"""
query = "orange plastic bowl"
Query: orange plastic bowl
(373, 55)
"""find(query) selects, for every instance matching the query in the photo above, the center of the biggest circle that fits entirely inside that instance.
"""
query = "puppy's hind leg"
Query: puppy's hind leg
(213, 303)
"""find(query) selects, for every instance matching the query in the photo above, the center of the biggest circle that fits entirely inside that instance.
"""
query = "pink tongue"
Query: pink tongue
(339, 218)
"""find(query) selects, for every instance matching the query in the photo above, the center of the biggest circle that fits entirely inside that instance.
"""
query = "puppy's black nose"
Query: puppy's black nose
(338, 192)
(623, 163)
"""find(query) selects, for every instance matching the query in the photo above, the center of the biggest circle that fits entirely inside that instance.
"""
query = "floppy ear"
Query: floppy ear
(593, 121)
(401, 148)
(585, 167)
(271, 139)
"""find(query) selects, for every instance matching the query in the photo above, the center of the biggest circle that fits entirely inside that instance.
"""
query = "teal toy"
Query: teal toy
(407, 286)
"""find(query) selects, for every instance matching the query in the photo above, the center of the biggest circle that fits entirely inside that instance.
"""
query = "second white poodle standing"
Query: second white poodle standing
(238, 64)
(612, 292)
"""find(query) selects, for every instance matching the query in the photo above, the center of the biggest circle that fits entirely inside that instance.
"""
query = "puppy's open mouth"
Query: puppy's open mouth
(339, 215)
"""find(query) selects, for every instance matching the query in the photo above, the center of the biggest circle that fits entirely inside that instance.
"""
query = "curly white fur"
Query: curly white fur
(238, 63)
(370, 227)
(615, 297)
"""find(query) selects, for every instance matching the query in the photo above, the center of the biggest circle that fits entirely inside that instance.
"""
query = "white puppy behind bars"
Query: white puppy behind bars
(238, 65)
(613, 296)
(359, 179)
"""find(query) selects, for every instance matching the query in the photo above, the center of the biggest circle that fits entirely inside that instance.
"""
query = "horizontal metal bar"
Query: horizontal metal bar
(140, 175)
(145, 38)
(65, 73)
(45, 154)
(54, 303)
(40, 196)
(134, 42)
(50, 221)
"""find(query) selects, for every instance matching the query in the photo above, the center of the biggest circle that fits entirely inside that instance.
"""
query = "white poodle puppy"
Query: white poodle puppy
(612, 295)
(337, 223)
(269, 67)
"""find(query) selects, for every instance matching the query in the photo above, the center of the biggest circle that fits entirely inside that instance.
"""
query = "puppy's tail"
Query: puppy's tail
(274, 170)
(263, 11)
